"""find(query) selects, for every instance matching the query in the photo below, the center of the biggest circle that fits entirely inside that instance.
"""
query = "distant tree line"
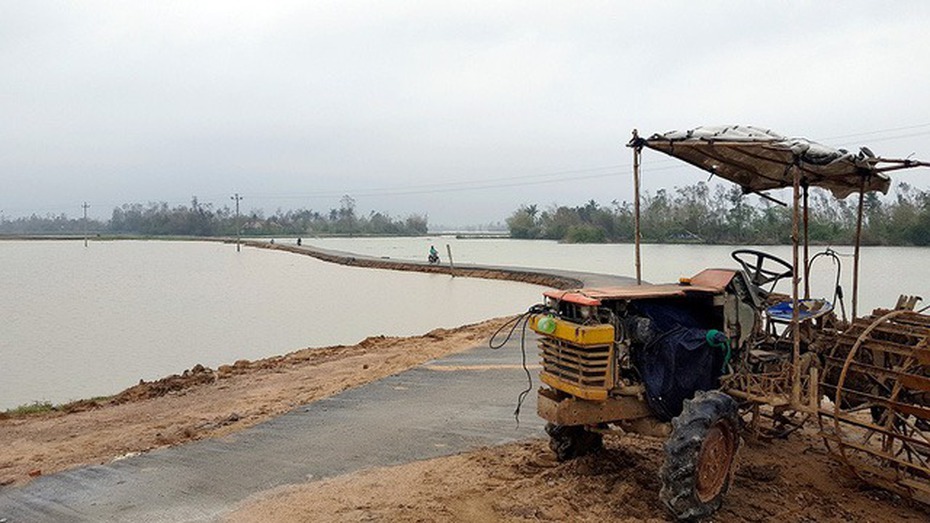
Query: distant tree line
(695, 214)
(198, 219)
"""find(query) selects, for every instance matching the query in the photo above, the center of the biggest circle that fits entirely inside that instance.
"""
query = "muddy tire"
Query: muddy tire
(572, 441)
(699, 456)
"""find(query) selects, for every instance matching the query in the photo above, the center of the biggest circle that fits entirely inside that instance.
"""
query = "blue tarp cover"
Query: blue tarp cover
(678, 362)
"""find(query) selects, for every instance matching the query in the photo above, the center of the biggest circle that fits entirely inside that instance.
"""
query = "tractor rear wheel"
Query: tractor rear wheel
(572, 441)
(700, 455)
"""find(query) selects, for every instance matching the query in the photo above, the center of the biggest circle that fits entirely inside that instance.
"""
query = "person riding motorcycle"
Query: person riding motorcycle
(433, 254)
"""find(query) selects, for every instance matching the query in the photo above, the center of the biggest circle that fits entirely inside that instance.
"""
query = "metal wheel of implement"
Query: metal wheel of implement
(700, 454)
(879, 382)
(572, 441)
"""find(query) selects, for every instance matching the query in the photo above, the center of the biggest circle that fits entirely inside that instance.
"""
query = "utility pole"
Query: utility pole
(238, 227)
(85, 207)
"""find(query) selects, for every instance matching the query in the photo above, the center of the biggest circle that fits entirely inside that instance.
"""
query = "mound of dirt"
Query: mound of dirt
(198, 375)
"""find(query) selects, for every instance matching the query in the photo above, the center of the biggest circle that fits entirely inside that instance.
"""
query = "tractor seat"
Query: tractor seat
(808, 309)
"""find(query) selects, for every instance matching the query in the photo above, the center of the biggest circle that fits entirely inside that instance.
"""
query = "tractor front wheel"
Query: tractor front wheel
(572, 441)
(700, 454)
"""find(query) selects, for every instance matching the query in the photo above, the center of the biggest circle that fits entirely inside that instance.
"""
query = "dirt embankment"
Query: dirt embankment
(784, 481)
(203, 402)
(517, 275)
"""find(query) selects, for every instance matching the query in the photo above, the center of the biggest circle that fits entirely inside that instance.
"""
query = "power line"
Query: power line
(518, 184)
(502, 185)
(489, 183)
(880, 131)
(888, 138)
(445, 184)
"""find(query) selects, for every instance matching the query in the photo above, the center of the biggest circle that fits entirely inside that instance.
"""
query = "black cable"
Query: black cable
(535, 309)
(529, 377)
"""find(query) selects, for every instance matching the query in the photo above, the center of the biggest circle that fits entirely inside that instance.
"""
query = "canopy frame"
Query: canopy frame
(833, 169)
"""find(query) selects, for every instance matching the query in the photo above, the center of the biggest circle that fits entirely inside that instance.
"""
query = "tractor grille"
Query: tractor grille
(583, 371)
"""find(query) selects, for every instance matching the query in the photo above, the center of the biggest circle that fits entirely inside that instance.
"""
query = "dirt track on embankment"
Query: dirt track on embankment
(468, 271)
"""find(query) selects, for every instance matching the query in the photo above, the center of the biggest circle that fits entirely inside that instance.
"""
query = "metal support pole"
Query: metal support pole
(807, 269)
(795, 280)
(855, 286)
(238, 226)
(637, 151)
(451, 263)
(85, 207)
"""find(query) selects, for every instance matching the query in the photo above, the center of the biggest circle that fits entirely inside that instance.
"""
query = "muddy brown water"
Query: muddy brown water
(79, 322)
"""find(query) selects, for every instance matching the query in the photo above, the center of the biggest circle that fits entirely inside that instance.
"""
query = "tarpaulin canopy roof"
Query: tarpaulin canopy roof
(759, 159)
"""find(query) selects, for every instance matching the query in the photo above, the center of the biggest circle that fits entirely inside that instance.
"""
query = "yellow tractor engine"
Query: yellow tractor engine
(576, 359)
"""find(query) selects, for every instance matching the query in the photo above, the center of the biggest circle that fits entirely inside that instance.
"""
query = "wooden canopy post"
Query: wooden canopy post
(795, 280)
(451, 263)
(637, 151)
(807, 269)
(855, 289)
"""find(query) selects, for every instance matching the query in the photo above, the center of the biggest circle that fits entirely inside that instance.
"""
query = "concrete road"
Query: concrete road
(447, 406)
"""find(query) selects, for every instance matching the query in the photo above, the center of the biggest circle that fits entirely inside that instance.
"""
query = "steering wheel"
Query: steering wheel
(760, 272)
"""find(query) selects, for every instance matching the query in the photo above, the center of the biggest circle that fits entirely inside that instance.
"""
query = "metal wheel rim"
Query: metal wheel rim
(714, 460)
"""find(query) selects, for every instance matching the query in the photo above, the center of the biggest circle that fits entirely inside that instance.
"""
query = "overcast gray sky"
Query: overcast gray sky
(459, 110)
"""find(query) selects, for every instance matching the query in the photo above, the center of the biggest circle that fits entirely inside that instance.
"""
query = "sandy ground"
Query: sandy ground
(788, 480)
(205, 403)
(784, 480)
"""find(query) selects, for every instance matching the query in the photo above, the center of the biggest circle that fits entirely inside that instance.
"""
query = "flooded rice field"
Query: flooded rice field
(80, 322)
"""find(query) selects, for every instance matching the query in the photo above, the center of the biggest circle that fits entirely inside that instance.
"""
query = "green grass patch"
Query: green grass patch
(43, 407)
(36, 407)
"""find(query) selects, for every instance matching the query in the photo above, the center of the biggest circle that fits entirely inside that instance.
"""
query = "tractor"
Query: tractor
(713, 358)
